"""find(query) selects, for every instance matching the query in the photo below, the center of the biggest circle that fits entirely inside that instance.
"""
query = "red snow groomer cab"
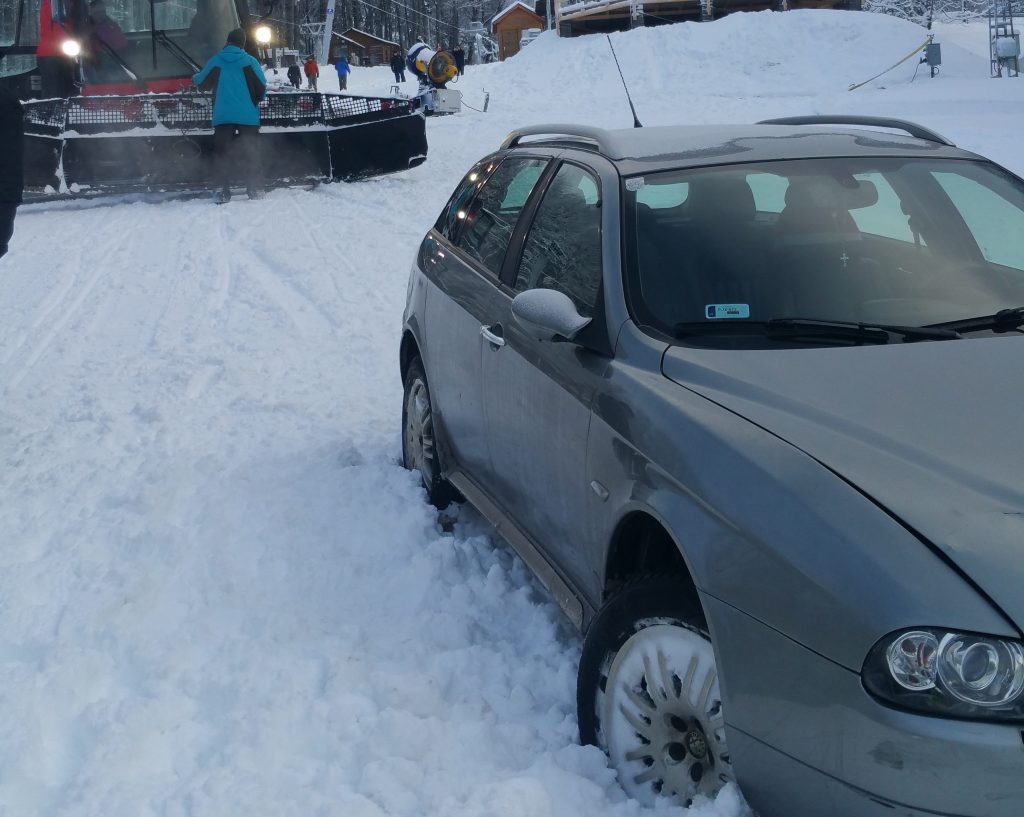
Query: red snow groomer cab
(119, 112)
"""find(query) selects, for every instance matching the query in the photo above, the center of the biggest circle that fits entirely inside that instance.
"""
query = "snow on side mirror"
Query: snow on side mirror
(547, 314)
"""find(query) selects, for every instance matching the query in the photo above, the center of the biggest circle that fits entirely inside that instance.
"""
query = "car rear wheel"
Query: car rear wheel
(648, 694)
(419, 443)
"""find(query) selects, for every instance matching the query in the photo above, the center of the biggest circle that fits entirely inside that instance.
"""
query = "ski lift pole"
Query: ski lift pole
(325, 46)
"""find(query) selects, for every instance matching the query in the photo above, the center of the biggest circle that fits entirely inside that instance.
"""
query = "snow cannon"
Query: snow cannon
(434, 69)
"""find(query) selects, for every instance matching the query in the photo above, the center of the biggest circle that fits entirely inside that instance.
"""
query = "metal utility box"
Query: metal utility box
(446, 100)
(933, 54)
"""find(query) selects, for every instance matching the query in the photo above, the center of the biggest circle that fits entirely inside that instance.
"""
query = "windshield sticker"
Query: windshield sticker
(632, 185)
(715, 311)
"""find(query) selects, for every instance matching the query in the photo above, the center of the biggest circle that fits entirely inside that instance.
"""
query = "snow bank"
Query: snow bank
(220, 594)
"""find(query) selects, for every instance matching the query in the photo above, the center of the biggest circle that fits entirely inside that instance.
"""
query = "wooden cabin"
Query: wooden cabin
(573, 17)
(508, 26)
(369, 49)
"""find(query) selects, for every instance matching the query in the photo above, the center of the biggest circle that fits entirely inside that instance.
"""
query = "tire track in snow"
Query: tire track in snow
(292, 301)
(50, 303)
(68, 310)
(314, 239)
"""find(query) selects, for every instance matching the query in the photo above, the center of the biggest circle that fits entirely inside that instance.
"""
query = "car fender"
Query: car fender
(764, 527)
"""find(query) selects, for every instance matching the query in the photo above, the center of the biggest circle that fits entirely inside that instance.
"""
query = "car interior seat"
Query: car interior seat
(817, 264)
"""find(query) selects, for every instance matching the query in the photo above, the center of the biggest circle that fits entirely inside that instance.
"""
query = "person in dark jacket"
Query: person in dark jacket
(460, 58)
(12, 183)
(295, 75)
(238, 85)
(398, 67)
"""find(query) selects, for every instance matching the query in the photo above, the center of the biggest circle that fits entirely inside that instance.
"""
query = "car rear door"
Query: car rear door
(463, 261)
(538, 395)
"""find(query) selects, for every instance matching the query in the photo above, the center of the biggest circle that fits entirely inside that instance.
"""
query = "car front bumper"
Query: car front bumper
(807, 740)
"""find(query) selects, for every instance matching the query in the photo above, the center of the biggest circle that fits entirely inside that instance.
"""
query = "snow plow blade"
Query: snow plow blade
(157, 142)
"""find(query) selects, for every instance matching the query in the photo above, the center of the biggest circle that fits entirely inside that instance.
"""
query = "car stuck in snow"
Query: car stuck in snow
(745, 399)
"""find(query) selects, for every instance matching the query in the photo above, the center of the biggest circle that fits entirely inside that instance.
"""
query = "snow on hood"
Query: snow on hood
(932, 431)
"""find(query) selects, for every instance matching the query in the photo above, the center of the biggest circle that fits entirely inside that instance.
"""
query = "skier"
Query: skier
(460, 58)
(312, 71)
(295, 76)
(398, 67)
(341, 66)
(238, 85)
(11, 180)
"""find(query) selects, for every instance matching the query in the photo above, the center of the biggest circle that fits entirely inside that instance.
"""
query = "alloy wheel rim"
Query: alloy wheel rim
(419, 431)
(661, 716)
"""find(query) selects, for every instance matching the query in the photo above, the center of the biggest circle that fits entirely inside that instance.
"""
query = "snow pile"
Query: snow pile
(220, 593)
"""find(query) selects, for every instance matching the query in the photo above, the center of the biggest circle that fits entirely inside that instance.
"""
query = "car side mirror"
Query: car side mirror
(547, 314)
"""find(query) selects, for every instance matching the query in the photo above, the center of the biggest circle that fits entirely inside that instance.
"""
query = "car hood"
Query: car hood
(932, 431)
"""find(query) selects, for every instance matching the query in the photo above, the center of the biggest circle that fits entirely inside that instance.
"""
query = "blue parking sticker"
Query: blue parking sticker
(713, 311)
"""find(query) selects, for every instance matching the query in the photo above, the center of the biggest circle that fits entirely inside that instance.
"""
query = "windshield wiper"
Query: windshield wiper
(1005, 320)
(785, 328)
(176, 50)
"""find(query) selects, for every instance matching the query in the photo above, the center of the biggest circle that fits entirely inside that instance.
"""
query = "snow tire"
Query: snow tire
(419, 449)
(648, 693)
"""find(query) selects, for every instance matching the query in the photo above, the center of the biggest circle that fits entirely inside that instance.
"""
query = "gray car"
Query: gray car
(747, 400)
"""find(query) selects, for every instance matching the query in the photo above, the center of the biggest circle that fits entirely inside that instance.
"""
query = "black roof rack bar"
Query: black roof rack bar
(598, 136)
(915, 130)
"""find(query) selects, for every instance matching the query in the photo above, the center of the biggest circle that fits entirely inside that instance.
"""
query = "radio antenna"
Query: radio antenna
(636, 122)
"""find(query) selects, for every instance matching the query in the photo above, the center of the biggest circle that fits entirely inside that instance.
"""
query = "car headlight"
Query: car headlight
(71, 48)
(954, 674)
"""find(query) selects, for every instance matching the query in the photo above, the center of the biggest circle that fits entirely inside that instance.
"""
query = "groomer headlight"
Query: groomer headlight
(71, 48)
(263, 35)
(958, 675)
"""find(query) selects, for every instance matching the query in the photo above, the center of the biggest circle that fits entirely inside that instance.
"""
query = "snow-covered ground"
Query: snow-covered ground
(220, 594)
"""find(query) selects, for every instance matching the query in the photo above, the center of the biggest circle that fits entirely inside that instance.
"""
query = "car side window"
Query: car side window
(455, 210)
(493, 214)
(563, 247)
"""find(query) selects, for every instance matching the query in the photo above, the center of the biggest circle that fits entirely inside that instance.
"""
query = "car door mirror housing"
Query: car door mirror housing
(547, 314)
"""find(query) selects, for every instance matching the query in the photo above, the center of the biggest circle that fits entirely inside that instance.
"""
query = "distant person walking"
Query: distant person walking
(12, 183)
(398, 66)
(312, 71)
(295, 75)
(238, 85)
(343, 69)
(460, 59)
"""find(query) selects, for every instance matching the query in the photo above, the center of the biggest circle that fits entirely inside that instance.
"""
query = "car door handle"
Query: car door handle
(493, 339)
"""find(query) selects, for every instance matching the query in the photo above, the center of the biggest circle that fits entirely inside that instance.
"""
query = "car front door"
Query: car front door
(463, 258)
(538, 395)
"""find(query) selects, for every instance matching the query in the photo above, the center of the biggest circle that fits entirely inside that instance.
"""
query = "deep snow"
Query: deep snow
(220, 594)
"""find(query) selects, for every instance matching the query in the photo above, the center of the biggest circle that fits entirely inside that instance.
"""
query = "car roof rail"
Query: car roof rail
(912, 128)
(599, 136)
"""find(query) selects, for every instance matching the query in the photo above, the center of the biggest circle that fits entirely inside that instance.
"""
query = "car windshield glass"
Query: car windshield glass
(906, 242)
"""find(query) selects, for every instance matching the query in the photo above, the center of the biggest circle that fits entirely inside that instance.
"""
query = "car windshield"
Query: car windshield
(908, 242)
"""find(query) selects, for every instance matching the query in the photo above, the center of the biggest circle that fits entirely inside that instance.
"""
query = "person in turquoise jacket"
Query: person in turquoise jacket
(238, 85)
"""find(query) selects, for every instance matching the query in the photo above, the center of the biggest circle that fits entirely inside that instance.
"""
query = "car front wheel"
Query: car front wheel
(648, 694)
(419, 444)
